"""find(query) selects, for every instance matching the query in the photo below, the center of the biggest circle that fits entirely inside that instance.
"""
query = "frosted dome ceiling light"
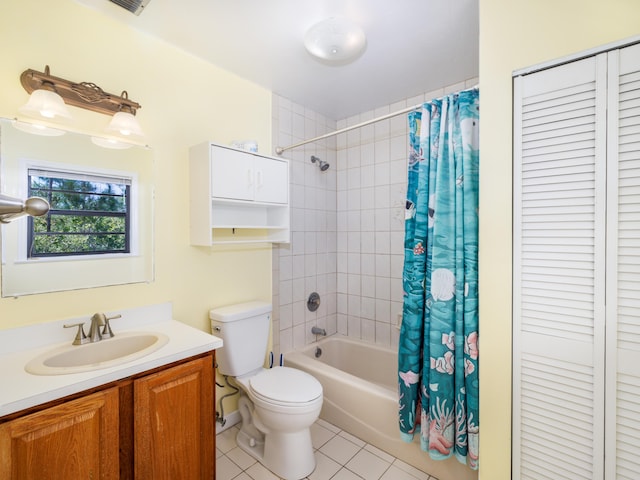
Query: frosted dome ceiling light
(336, 40)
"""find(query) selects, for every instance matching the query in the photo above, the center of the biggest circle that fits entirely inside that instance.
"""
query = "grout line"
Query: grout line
(388, 459)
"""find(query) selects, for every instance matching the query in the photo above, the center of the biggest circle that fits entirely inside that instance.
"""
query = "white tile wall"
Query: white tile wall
(347, 224)
(308, 264)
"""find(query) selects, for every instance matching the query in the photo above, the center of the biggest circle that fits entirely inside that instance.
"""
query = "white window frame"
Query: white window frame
(73, 170)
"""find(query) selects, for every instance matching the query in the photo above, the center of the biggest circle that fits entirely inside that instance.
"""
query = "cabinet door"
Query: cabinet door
(232, 174)
(272, 180)
(78, 439)
(174, 423)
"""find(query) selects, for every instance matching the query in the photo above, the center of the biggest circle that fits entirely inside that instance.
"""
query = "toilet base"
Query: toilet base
(279, 456)
(288, 455)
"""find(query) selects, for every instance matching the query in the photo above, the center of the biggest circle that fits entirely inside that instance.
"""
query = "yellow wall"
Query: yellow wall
(515, 34)
(184, 101)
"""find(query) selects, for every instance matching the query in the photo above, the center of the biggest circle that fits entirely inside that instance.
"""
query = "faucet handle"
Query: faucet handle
(106, 331)
(81, 338)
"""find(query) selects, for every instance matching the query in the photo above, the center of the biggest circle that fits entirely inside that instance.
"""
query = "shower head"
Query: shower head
(324, 166)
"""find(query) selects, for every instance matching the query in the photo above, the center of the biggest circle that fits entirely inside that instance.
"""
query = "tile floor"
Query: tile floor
(339, 456)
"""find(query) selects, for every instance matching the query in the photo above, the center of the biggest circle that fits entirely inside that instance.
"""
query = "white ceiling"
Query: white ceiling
(413, 46)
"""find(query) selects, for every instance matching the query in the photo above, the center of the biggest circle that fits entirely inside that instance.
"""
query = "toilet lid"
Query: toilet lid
(286, 385)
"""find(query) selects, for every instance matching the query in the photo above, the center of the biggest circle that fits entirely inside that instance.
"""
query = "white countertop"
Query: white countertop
(20, 390)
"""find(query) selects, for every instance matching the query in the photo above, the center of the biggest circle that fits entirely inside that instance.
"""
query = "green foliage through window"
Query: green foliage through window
(89, 214)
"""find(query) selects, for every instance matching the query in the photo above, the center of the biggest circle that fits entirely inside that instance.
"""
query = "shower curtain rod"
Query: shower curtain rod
(281, 150)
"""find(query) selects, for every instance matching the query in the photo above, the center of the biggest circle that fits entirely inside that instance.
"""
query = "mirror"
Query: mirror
(23, 274)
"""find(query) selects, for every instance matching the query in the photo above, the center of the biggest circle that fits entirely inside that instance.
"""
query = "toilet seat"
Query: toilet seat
(285, 386)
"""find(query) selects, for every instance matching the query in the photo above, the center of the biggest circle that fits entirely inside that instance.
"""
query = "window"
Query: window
(90, 214)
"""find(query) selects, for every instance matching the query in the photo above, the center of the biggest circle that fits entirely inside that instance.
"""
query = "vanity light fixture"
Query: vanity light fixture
(50, 95)
(45, 102)
(124, 121)
(107, 142)
(37, 129)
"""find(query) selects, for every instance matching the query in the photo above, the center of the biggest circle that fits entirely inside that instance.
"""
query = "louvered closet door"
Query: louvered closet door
(623, 272)
(559, 261)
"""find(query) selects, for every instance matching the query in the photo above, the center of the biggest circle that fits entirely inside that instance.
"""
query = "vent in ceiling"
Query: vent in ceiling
(134, 6)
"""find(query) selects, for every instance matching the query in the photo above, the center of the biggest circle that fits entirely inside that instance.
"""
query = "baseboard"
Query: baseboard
(231, 419)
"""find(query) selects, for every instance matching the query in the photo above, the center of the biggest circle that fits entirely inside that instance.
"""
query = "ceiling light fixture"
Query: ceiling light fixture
(335, 40)
(50, 95)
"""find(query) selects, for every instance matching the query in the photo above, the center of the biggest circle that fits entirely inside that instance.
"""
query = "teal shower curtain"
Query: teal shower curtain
(438, 351)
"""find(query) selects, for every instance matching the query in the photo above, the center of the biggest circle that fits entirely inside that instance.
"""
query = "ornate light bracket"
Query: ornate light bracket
(85, 95)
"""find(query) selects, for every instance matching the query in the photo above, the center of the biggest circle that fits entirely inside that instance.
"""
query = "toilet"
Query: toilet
(278, 405)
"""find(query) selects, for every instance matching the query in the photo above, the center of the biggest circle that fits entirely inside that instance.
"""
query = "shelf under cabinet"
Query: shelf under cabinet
(230, 235)
(225, 214)
(223, 210)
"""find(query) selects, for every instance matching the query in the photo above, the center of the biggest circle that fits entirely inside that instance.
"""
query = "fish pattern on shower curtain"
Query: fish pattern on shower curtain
(438, 350)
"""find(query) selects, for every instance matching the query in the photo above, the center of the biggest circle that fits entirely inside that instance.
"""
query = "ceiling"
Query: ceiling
(413, 46)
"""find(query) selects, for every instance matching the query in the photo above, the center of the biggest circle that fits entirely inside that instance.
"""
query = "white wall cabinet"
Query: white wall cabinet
(576, 303)
(237, 196)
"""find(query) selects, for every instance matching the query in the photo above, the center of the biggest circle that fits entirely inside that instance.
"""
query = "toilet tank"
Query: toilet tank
(244, 329)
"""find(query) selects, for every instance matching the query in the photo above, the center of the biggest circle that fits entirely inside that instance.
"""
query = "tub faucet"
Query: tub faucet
(318, 331)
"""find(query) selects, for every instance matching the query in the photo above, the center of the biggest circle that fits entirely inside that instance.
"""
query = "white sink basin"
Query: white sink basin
(122, 348)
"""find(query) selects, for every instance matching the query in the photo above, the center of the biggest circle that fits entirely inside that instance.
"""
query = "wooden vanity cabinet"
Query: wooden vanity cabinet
(77, 439)
(174, 423)
(156, 425)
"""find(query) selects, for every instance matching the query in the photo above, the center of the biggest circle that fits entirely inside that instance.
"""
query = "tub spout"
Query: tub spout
(319, 331)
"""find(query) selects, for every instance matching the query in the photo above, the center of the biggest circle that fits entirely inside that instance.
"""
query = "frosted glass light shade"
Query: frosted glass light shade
(126, 124)
(110, 143)
(335, 40)
(37, 129)
(45, 104)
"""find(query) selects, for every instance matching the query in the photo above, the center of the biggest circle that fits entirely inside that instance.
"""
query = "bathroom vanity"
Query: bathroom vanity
(150, 418)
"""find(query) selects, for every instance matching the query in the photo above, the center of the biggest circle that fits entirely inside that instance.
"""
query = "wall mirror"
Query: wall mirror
(31, 263)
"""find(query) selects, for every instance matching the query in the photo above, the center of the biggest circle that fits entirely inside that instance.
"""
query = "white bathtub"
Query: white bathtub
(360, 397)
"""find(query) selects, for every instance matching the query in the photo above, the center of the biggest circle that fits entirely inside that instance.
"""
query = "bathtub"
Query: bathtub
(360, 397)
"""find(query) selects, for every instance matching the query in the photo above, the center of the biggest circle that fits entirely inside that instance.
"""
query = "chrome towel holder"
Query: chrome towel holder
(12, 208)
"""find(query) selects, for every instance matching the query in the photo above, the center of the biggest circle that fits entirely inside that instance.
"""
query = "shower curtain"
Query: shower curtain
(438, 350)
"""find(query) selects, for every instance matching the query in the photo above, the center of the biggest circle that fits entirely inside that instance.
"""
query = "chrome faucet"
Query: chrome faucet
(95, 335)
(97, 321)
(100, 320)
(318, 331)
